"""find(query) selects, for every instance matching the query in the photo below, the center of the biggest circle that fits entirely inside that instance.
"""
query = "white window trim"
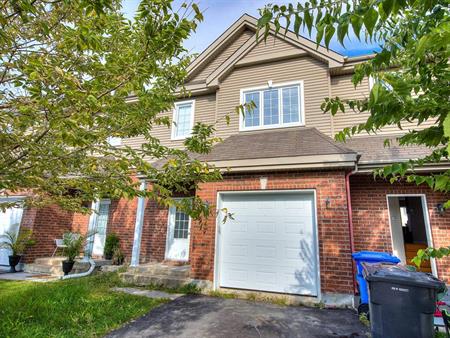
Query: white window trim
(280, 106)
(175, 118)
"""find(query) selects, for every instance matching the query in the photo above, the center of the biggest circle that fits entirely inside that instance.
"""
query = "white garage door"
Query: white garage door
(270, 244)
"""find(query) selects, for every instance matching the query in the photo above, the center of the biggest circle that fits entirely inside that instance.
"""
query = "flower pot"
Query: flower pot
(67, 266)
(13, 261)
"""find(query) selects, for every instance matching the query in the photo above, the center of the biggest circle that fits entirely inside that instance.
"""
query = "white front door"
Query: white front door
(270, 243)
(178, 234)
(9, 222)
(98, 224)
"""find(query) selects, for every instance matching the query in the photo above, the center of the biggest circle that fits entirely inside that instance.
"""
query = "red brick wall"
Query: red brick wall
(334, 243)
(121, 221)
(154, 231)
(371, 218)
(47, 224)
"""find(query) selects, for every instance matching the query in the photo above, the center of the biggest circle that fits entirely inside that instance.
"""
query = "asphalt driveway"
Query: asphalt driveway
(201, 316)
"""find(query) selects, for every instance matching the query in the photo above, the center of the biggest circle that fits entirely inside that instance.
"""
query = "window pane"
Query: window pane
(252, 116)
(184, 120)
(291, 110)
(271, 107)
(181, 229)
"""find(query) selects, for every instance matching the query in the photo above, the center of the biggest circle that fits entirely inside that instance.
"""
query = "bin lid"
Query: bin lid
(400, 274)
(373, 256)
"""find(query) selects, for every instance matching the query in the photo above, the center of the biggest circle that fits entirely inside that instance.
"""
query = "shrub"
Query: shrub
(111, 244)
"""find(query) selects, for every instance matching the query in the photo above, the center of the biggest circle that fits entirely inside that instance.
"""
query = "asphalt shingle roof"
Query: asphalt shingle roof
(286, 142)
(372, 149)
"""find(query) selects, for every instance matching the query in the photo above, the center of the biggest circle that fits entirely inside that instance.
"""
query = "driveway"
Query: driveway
(201, 316)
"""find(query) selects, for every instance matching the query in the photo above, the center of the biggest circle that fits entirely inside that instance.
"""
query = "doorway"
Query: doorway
(410, 229)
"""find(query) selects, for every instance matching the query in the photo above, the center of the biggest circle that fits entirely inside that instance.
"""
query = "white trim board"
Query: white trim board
(426, 221)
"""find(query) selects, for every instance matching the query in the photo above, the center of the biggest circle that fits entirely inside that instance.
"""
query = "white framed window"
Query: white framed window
(279, 105)
(114, 141)
(183, 119)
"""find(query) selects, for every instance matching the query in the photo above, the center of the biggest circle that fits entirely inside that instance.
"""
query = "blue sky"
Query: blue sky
(220, 14)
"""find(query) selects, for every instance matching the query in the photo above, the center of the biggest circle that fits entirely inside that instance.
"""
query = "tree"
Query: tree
(411, 74)
(411, 70)
(75, 73)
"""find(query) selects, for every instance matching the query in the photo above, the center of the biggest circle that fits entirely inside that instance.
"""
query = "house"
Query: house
(301, 202)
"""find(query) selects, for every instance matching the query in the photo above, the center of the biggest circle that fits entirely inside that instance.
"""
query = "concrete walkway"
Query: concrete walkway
(35, 277)
(149, 293)
(201, 316)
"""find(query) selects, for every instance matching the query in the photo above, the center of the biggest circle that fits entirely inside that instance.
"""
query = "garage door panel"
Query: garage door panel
(270, 245)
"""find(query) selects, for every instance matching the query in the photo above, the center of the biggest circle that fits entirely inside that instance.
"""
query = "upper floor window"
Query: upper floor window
(183, 120)
(114, 141)
(276, 106)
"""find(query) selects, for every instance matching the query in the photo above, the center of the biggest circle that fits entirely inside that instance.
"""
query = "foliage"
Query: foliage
(75, 73)
(428, 253)
(111, 244)
(411, 71)
(17, 243)
(82, 307)
(118, 256)
(74, 243)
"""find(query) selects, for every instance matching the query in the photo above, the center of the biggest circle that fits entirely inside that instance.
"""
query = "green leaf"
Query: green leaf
(446, 127)
(342, 31)
(308, 21)
(357, 23)
(329, 33)
(387, 6)
(370, 19)
(297, 24)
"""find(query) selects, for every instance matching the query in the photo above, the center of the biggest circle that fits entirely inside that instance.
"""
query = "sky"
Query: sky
(220, 14)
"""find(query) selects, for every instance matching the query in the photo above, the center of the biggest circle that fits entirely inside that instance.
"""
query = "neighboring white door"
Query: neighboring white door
(270, 243)
(178, 234)
(9, 221)
(98, 223)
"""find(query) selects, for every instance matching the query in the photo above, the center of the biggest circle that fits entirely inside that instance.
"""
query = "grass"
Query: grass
(84, 307)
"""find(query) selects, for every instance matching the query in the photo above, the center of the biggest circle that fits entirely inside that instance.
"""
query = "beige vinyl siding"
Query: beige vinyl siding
(205, 107)
(342, 87)
(271, 45)
(311, 71)
(223, 56)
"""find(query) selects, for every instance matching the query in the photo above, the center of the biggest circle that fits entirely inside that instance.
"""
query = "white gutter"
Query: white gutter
(82, 274)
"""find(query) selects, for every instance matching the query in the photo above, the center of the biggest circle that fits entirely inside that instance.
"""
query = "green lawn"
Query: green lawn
(83, 307)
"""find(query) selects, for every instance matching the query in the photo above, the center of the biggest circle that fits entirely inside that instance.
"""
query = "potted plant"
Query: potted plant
(17, 243)
(118, 256)
(111, 244)
(74, 243)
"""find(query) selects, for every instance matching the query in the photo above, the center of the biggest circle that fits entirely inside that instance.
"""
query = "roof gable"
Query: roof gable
(219, 51)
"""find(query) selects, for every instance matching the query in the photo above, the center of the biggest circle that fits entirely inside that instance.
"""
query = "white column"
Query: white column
(138, 228)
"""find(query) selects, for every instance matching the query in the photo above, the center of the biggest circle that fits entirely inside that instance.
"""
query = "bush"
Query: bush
(111, 245)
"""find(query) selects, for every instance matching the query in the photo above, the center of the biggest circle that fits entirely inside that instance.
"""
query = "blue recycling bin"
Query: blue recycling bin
(369, 257)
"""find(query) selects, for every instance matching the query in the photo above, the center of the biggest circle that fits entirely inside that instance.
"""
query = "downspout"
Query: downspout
(350, 221)
(82, 274)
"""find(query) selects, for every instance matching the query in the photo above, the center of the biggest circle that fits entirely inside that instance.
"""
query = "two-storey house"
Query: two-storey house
(301, 202)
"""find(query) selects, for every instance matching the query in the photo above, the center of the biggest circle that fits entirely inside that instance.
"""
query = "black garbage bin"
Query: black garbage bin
(402, 302)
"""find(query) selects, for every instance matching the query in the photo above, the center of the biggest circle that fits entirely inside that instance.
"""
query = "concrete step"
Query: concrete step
(54, 269)
(160, 280)
(43, 269)
(162, 270)
(54, 261)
